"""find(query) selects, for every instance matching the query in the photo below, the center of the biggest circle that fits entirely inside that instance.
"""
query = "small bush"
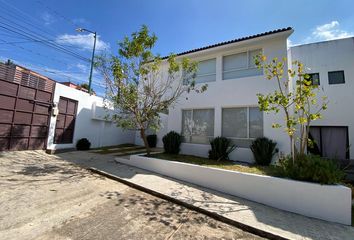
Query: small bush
(83, 144)
(221, 147)
(263, 150)
(152, 140)
(172, 142)
(311, 168)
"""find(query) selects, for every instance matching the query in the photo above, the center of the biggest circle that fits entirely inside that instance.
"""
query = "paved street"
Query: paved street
(44, 197)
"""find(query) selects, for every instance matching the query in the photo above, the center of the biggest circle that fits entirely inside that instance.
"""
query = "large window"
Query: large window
(242, 125)
(206, 71)
(241, 65)
(198, 125)
(336, 77)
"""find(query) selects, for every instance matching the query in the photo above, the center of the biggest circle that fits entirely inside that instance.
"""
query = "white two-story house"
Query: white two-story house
(229, 107)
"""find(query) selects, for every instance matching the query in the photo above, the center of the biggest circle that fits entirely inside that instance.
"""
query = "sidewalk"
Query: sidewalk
(240, 212)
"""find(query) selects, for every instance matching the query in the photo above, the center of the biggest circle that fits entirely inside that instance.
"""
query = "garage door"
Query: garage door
(25, 106)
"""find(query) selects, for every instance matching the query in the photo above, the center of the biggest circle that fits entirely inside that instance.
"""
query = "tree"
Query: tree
(140, 85)
(299, 102)
(86, 86)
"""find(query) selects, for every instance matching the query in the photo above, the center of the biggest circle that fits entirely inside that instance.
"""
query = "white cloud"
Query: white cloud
(328, 31)
(47, 18)
(83, 41)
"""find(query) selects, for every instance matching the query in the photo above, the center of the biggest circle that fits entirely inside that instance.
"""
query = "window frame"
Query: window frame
(336, 72)
(192, 111)
(319, 80)
(238, 69)
(248, 122)
(207, 74)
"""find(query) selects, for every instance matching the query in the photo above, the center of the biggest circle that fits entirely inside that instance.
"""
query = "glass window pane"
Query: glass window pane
(187, 124)
(253, 54)
(203, 122)
(207, 67)
(314, 78)
(236, 61)
(336, 77)
(205, 78)
(256, 122)
(242, 73)
(234, 122)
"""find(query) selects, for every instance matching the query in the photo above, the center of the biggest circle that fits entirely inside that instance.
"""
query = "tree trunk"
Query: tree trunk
(146, 144)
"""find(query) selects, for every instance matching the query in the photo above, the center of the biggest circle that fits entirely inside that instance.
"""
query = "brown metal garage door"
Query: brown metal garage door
(25, 106)
(65, 126)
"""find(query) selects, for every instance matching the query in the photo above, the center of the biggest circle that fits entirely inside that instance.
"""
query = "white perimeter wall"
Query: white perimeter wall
(328, 56)
(240, 92)
(89, 123)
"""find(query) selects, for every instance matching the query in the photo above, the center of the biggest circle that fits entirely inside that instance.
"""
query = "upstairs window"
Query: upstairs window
(206, 71)
(241, 65)
(314, 78)
(336, 77)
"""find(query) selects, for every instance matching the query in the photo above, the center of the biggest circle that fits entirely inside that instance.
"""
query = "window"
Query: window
(336, 77)
(314, 78)
(206, 71)
(198, 125)
(241, 65)
(242, 125)
(323, 144)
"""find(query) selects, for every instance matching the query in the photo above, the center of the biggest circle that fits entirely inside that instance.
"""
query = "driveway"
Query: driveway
(45, 197)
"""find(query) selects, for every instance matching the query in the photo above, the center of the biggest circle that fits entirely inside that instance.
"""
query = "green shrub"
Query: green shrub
(83, 144)
(172, 142)
(152, 140)
(311, 168)
(221, 147)
(263, 150)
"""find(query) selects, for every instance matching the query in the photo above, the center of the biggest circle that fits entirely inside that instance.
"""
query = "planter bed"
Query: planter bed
(327, 202)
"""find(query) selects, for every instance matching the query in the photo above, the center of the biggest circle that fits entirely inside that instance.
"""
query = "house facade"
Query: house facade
(331, 65)
(229, 107)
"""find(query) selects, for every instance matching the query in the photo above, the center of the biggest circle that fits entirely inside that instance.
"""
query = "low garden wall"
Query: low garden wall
(327, 202)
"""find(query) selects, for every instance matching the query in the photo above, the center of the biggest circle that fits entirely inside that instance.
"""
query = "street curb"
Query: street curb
(213, 215)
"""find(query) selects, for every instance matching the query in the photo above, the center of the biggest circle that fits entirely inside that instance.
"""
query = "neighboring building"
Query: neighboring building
(331, 64)
(73, 85)
(38, 113)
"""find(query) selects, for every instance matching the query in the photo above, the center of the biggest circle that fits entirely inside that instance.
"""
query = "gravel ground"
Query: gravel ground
(44, 197)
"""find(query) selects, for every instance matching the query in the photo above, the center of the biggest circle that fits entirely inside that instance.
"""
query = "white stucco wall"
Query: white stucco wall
(89, 123)
(327, 202)
(240, 92)
(328, 56)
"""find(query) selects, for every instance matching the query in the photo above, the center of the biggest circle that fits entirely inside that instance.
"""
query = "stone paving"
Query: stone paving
(277, 222)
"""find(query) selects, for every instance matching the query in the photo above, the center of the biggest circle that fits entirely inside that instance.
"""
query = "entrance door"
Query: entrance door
(65, 126)
(329, 142)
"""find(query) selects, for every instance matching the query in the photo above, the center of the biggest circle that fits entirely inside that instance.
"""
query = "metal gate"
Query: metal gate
(25, 106)
(65, 126)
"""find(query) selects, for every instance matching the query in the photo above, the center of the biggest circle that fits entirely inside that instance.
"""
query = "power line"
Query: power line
(58, 14)
(44, 41)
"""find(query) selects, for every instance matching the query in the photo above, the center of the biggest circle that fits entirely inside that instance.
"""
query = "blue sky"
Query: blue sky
(180, 25)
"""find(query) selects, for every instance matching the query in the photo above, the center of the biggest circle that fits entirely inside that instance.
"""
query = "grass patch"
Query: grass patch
(121, 148)
(228, 165)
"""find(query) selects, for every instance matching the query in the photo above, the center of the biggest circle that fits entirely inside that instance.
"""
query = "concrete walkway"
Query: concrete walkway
(240, 212)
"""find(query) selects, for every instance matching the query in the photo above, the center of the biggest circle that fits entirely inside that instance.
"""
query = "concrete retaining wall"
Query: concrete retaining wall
(326, 202)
